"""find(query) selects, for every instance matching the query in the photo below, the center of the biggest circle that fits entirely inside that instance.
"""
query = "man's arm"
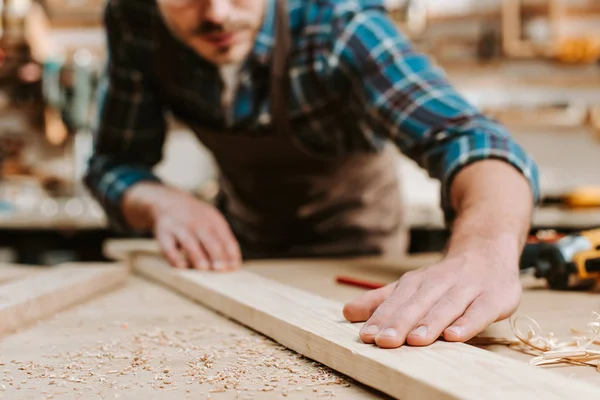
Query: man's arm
(409, 100)
(128, 144)
(130, 132)
(493, 203)
(489, 189)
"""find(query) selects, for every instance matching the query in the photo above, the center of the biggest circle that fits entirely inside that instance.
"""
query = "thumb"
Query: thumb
(361, 308)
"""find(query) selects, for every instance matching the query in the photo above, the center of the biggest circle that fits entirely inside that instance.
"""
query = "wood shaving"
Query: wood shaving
(546, 348)
(550, 350)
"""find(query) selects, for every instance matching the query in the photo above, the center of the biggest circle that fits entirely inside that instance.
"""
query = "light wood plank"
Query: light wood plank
(313, 326)
(26, 300)
(122, 249)
(10, 272)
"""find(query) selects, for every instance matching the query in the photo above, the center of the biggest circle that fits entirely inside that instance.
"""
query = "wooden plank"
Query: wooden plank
(122, 249)
(9, 272)
(313, 326)
(27, 300)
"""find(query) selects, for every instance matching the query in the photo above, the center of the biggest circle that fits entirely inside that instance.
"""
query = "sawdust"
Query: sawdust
(166, 360)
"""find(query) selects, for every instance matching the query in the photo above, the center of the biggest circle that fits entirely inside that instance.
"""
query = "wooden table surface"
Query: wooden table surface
(144, 341)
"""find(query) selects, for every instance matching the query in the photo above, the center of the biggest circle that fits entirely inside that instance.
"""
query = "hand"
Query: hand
(180, 221)
(457, 298)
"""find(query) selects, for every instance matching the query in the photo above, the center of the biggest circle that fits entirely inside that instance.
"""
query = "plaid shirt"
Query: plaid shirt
(356, 84)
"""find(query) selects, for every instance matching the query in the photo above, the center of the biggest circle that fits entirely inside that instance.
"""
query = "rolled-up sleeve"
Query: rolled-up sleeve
(130, 127)
(410, 101)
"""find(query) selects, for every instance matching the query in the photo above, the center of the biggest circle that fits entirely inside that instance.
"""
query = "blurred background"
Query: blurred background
(532, 64)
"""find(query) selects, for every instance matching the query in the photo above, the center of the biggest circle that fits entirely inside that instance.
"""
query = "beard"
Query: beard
(203, 37)
(210, 28)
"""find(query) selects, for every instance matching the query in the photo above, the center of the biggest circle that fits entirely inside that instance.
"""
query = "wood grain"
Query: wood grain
(26, 300)
(313, 326)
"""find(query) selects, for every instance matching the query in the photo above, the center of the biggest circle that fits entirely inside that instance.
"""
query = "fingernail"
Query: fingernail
(389, 332)
(456, 330)
(371, 330)
(421, 331)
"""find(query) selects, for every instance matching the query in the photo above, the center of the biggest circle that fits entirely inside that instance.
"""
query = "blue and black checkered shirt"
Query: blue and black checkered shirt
(356, 84)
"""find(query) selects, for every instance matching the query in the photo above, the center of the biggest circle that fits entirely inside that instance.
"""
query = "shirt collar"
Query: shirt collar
(265, 39)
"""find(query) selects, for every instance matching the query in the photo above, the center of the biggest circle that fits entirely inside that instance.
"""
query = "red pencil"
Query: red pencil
(358, 282)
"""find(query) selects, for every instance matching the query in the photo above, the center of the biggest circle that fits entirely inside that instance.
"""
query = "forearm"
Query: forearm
(494, 204)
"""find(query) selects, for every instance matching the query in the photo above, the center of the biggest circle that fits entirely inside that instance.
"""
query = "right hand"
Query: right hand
(182, 222)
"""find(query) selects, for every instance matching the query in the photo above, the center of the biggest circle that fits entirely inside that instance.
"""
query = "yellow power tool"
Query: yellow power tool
(583, 197)
(568, 262)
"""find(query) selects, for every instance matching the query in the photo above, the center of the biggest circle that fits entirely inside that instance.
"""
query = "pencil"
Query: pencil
(358, 282)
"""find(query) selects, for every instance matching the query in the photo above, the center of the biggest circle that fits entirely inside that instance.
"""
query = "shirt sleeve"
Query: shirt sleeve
(410, 101)
(130, 127)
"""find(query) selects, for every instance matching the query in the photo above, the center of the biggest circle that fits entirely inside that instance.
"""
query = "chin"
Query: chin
(221, 56)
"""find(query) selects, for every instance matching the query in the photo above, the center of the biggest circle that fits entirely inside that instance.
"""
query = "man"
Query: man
(301, 103)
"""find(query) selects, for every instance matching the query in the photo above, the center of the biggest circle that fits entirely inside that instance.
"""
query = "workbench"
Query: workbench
(142, 340)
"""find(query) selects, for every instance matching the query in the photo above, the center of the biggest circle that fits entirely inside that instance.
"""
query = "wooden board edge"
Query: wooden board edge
(25, 301)
(10, 272)
(121, 249)
(440, 371)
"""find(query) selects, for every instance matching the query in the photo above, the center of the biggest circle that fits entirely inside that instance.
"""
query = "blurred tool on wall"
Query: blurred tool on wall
(21, 102)
(51, 52)
(45, 102)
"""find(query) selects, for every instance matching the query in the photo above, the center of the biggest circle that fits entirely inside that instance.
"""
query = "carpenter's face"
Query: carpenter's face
(221, 31)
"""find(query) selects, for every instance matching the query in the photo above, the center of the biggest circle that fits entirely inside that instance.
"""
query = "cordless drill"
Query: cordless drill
(565, 262)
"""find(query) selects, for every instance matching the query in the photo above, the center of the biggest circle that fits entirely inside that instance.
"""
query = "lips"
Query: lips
(220, 39)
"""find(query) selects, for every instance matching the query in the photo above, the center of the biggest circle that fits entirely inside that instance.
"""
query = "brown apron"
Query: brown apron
(282, 202)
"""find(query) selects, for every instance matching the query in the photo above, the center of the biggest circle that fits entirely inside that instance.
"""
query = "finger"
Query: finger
(397, 320)
(361, 308)
(193, 249)
(214, 249)
(232, 251)
(481, 314)
(447, 310)
(381, 313)
(168, 245)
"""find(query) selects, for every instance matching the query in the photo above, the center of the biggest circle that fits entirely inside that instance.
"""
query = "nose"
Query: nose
(217, 10)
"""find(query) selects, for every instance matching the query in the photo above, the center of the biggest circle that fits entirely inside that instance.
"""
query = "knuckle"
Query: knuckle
(464, 292)
(395, 313)
(448, 302)
(409, 312)
(411, 278)
(202, 230)
(211, 245)
(384, 311)
(489, 308)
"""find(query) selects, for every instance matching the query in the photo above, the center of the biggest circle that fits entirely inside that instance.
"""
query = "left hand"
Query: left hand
(458, 298)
